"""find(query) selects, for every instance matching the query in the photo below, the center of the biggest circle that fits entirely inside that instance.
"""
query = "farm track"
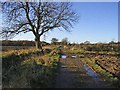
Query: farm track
(72, 74)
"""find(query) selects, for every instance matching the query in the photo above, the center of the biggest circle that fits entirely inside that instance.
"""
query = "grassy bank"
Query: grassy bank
(26, 69)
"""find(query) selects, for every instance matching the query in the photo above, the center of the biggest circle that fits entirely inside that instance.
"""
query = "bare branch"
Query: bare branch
(37, 17)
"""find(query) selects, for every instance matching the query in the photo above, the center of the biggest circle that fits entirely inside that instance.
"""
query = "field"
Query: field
(26, 67)
(9, 48)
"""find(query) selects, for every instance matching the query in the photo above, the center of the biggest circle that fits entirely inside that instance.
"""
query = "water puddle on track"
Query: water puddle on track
(63, 56)
(97, 81)
(91, 73)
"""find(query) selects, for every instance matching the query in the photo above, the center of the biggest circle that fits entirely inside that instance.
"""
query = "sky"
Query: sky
(98, 22)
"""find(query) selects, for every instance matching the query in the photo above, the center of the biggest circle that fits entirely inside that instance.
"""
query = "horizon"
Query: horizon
(68, 42)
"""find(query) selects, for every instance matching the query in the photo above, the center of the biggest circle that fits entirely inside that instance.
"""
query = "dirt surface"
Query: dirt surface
(72, 74)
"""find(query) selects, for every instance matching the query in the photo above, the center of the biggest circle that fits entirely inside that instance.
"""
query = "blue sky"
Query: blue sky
(98, 23)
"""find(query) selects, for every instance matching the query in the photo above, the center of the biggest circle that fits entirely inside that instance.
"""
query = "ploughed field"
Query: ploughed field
(110, 64)
(108, 61)
(27, 67)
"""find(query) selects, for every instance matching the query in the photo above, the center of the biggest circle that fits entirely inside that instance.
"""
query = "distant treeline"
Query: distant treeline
(65, 42)
(19, 43)
(101, 47)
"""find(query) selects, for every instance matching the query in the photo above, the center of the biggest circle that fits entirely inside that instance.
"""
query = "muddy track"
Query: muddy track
(73, 73)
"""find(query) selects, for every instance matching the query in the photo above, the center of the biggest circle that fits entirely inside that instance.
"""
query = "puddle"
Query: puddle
(91, 73)
(73, 56)
(63, 56)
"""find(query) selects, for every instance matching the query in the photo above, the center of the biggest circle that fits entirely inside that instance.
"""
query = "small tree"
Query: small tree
(54, 40)
(36, 17)
(87, 42)
(111, 42)
(64, 41)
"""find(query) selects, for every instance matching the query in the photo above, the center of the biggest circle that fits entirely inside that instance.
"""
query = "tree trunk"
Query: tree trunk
(39, 44)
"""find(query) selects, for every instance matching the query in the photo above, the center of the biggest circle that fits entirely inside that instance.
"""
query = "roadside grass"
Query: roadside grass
(29, 69)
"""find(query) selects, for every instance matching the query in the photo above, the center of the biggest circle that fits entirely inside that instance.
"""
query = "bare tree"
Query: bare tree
(36, 17)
